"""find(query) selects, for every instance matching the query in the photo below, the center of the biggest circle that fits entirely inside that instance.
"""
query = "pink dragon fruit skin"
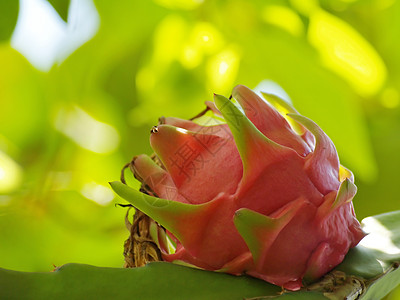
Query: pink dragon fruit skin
(250, 196)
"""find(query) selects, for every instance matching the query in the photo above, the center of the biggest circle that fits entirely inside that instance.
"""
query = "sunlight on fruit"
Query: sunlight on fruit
(284, 18)
(284, 106)
(86, 131)
(10, 174)
(347, 53)
(182, 130)
(345, 173)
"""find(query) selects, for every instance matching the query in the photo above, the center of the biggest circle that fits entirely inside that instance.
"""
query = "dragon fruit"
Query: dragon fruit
(259, 191)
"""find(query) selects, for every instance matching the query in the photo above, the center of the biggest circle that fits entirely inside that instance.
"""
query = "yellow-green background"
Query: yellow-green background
(338, 60)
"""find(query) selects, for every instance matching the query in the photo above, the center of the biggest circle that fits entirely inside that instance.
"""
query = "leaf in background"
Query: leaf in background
(347, 53)
(23, 109)
(61, 6)
(8, 18)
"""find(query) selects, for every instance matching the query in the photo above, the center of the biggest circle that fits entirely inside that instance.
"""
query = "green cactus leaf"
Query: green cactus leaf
(159, 280)
(374, 263)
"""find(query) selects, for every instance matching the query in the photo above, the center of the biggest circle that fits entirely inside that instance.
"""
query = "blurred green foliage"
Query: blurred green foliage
(8, 18)
(67, 131)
